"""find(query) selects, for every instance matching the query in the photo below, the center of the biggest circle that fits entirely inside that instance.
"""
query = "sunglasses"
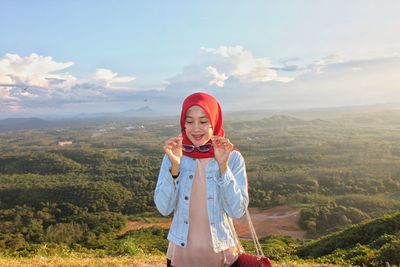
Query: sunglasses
(191, 148)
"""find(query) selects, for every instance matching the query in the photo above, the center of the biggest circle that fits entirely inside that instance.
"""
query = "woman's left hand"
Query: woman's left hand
(222, 150)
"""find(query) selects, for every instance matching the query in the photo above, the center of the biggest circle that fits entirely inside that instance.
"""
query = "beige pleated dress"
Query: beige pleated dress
(199, 250)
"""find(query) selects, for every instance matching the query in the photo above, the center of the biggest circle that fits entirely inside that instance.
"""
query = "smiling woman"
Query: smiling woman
(203, 182)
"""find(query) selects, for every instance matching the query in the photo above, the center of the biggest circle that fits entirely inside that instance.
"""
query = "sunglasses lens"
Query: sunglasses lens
(204, 148)
(187, 148)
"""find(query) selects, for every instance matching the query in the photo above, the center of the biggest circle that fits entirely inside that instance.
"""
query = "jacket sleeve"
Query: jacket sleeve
(166, 192)
(233, 186)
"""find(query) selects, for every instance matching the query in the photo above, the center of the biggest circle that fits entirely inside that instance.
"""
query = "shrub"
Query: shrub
(126, 246)
(390, 252)
(66, 233)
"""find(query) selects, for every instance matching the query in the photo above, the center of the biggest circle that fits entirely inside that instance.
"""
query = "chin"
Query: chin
(201, 142)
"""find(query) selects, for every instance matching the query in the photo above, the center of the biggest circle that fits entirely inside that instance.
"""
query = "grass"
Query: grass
(87, 261)
(109, 261)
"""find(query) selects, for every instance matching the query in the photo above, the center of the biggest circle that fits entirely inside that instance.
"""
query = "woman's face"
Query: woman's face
(198, 126)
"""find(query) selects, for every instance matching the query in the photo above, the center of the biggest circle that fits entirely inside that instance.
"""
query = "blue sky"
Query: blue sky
(67, 57)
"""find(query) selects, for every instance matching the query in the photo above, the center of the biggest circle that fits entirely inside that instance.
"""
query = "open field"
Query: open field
(280, 221)
(141, 223)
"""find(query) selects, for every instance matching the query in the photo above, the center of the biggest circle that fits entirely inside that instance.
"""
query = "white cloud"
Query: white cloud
(215, 67)
(241, 64)
(5, 92)
(43, 72)
(33, 70)
(336, 79)
(319, 65)
(35, 80)
(218, 78)
(106, 78)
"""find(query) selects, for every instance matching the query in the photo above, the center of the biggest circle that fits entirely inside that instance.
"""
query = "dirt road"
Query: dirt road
(280, 220)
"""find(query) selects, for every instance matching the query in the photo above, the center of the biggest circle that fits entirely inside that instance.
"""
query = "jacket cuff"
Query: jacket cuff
(224, 179)
(172, 180)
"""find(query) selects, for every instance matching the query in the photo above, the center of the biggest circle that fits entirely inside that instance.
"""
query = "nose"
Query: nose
(198, 125)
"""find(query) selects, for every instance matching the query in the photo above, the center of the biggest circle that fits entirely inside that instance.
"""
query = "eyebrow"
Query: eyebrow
(204, 117)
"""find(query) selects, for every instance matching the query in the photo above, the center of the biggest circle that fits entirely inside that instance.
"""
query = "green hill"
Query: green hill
(372, 243)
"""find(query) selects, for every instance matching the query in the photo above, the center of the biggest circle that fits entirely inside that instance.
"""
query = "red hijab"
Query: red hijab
(213, 110)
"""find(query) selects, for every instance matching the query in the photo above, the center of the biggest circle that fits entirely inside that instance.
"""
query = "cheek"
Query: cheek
(210, 132)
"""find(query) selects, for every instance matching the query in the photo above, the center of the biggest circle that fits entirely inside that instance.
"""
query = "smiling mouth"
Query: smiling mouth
(197, 137)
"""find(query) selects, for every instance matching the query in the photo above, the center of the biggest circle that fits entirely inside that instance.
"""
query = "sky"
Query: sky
(63, 58)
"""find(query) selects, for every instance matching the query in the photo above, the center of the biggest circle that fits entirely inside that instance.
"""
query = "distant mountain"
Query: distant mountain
(316, 113)
(271, 122)
(372, 114)
(145, 111)
(82, 120)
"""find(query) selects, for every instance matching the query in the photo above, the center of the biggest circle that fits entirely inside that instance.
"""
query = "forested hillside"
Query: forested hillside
(339, 171)
(370, 243)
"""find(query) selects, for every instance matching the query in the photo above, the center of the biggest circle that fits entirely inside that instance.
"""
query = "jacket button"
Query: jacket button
(186, 198)
(190, 176)
(182, 244)
(186, 222)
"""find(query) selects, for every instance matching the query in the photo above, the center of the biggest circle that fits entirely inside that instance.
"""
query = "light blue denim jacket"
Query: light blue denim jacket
(226, 196)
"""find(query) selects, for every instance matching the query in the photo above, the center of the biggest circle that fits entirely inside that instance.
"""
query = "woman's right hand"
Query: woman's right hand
(173, 149)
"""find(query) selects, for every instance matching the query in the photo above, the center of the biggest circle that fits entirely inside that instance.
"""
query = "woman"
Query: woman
(203, 181)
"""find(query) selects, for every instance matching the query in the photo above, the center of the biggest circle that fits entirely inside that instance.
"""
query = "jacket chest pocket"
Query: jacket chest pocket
(186, 181)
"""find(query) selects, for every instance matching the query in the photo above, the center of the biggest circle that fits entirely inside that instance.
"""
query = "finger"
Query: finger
(225, 143)
(169, 140)
(167, 147)
(171, 144)
(175, 138)
(169, 153)
(231, 145)
(216, 137)
(217, 144)
(180, 139)
(216, 140)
